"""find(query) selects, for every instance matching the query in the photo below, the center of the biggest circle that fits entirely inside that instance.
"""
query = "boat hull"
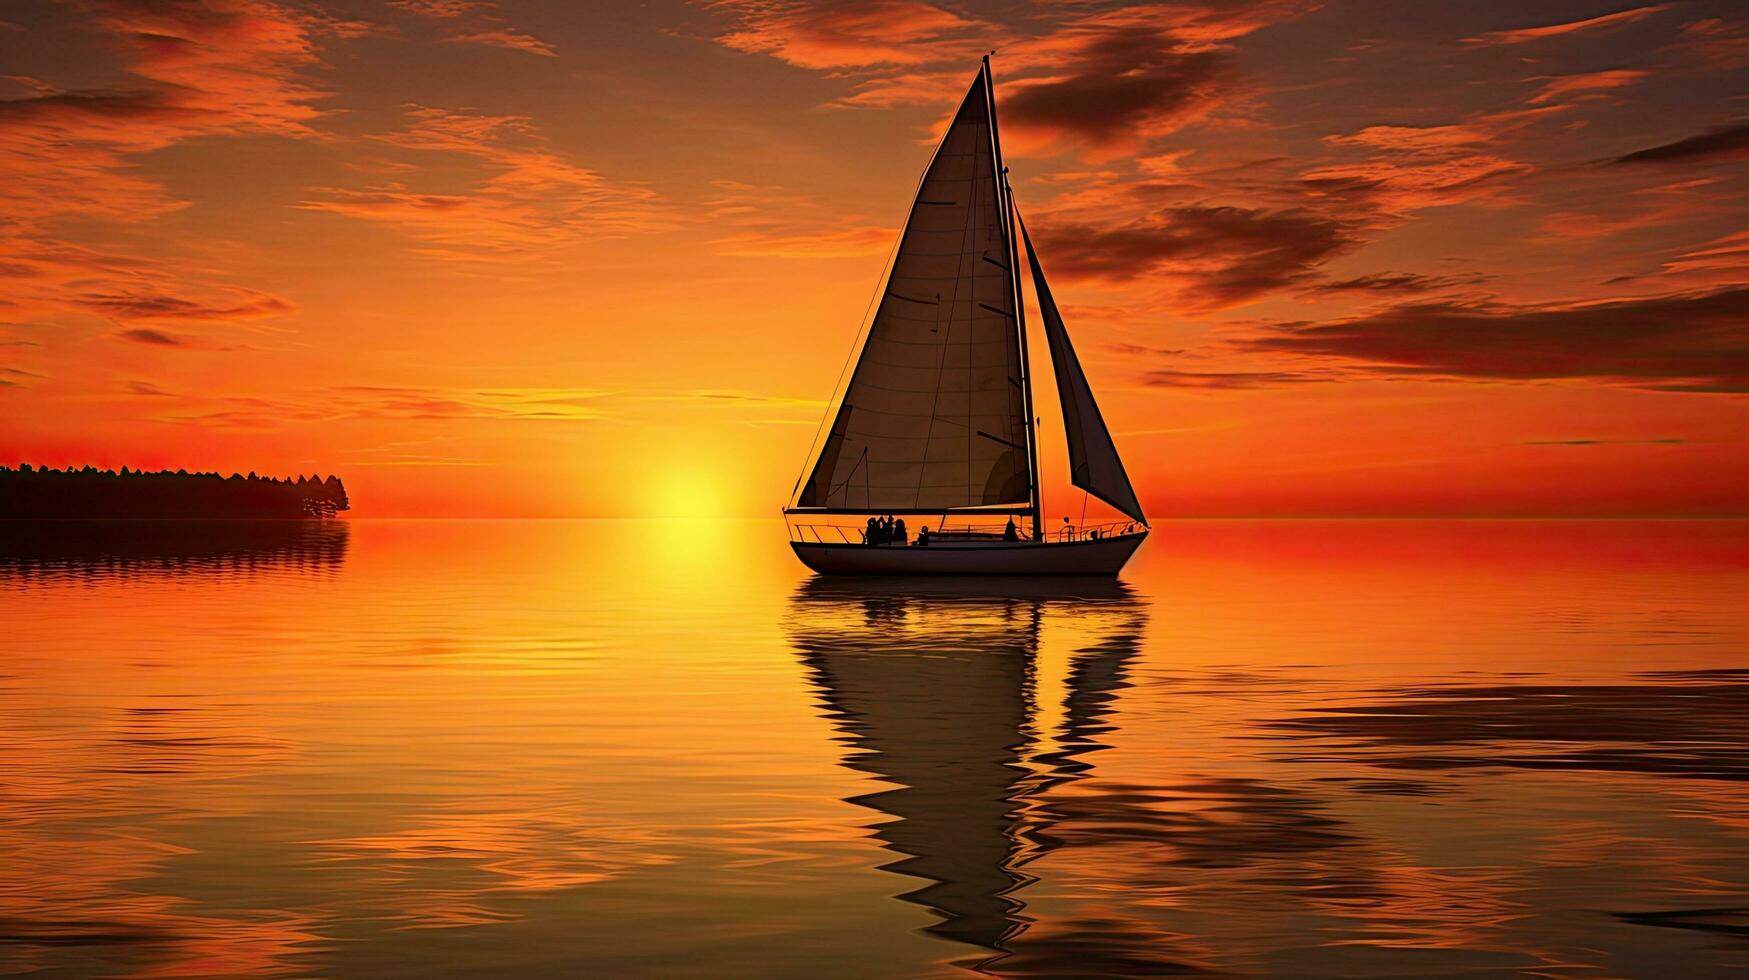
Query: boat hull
(1104, 556)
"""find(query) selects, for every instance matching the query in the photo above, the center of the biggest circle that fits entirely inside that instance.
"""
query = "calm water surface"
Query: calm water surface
(610, 748)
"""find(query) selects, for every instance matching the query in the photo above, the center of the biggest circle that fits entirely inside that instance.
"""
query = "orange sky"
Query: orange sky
(518, 258)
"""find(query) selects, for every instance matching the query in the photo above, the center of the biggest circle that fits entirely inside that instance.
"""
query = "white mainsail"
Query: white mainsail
(934, 417)
(1094, 465)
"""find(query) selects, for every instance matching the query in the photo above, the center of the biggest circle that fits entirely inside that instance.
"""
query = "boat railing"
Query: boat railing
(826, 532)
(1092, 532)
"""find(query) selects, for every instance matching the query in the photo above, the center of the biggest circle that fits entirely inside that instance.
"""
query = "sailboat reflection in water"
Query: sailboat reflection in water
(937, 419)
(937, 691)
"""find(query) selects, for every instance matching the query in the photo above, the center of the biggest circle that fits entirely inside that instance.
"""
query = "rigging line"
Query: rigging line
(846, 484)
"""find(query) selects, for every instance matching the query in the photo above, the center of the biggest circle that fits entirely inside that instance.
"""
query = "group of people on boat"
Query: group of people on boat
(886, 530)
(889, 531)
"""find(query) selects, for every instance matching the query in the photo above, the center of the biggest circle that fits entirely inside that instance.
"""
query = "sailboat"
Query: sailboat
(936, 421)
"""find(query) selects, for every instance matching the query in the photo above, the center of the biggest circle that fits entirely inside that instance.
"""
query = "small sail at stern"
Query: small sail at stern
(1093, 460)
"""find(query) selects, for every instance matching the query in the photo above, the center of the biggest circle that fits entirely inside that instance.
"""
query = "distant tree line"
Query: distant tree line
(43, 492)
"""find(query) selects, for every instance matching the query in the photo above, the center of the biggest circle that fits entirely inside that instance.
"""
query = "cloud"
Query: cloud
(520, 404)
(184, 70)
(831, 244)
(1398, 282)
(1403, 169)
(1114, 79)
(1524, 34)
(1102, 80)
(1218, 256)
(16, 377)
(196, 69)
(137, 387)
(1722, 260)
(408, 403)
(773, 221)
(153, 306)
(528, 200)
(486, 26)
(1685, 342)
(1726, 143)
(156, 338)
(1234, 380)
(906, 88)
(441, 9)
(859, 33)
(1714, 43)
(1604, 442)
(1557, 88)
(1121, 88)
(507, 37)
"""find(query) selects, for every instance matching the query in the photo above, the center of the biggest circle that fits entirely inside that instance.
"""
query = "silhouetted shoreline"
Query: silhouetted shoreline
(37, 493)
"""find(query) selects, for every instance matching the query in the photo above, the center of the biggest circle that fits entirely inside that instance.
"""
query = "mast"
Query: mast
(1007, 198)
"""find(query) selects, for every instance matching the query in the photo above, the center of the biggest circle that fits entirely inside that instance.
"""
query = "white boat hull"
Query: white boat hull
(1103, 556)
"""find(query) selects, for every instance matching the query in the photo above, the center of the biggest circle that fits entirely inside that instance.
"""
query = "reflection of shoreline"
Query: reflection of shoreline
(932, 685)
(105, 548)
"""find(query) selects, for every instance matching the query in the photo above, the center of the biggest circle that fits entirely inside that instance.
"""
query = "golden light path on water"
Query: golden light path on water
(656, 747)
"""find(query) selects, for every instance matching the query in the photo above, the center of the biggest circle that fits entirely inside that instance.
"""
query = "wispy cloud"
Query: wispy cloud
(1523, 35)
(1604, 442)
(507, 37)
(833, 244)
(475, 22)
(189, 70)
(772, 221)
(443, 9)
(1592, 84)
(1235, 380)
(859, 33)
(527, 200)
(406, 403)
(246, 305)
(220, 67)
(1378, 283)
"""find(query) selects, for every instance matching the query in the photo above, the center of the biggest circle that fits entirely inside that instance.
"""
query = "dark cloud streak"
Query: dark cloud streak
(1227, 255)
(1398, 282)
(1119, 85)
(156, 338)
(1728, 142)
(1686, 342)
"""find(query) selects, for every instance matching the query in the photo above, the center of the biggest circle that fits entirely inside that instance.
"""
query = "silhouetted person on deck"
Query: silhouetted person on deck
(1010, 532)
(872, 536)
(899, 531)
(923, 537)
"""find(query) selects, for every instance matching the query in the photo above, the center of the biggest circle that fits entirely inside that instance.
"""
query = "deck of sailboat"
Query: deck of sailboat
(1085, 556)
